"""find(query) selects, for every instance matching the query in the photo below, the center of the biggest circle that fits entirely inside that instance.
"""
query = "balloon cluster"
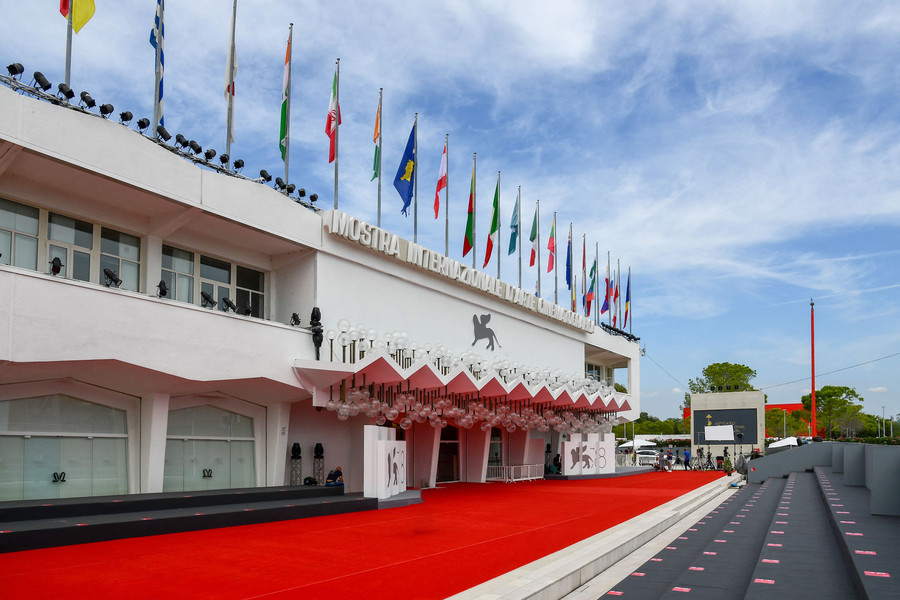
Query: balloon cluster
(406, 409)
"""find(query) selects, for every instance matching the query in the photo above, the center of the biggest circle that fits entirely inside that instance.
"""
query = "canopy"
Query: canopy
(636, 444)
(788, 441)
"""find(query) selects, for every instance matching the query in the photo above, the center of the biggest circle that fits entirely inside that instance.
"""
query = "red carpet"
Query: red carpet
(461, 535)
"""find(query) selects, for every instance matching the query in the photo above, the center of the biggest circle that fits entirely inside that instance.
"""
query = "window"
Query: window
(72, 241)
(189, 275)
(121, 254)
(178, 273)
(18, 234)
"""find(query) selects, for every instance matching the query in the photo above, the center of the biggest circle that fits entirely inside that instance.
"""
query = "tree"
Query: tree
(780, 423)
(725, 377)
(835, 405)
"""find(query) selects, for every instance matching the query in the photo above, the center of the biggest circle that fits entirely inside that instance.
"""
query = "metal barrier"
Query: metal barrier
(513, 473)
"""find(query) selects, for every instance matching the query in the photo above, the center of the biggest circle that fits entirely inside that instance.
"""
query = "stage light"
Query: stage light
(15, 70)
(264, 175)
(238, 165)
(319, 451)
(313, 197)
(290, 188)
(56, 266)
(143, 124)
(248, 310)
(295, 320)
(87, 100)
(180, 140)
(41, 81)
(111, 278)
(125, 117)
(209, 154)
(65, 91)
(163, 134)
(224, 158)
(279, 183)
(208, 300)
(229, 304)
(197, 148)
(163, 289)
(106, 110)
(301, 193)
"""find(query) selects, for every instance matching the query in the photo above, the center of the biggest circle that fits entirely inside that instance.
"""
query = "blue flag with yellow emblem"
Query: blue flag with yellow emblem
(406, 172)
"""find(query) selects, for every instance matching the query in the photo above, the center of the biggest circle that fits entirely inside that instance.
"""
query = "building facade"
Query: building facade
(150, 310)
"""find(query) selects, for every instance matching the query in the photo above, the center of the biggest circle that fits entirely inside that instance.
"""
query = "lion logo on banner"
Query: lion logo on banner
(483, 332)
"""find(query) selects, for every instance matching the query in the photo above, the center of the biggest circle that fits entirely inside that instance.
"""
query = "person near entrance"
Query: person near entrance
(335, 478)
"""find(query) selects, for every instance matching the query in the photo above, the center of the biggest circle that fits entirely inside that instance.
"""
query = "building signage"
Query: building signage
(377, 239)
(742, 419)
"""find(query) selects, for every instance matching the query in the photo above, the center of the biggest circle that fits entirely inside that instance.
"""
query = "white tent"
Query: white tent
(788, 441)
(636, 444)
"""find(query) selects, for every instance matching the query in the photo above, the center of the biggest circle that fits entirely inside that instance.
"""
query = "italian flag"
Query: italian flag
(334, 119)
(285, 100)
(469, 242)
(551, 246)
(494, 234)
(534, 237)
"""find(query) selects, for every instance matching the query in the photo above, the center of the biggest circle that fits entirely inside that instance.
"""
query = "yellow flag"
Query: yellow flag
(82, 11)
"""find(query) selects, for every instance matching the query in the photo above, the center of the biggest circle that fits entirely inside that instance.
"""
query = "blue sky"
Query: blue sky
(740, 157)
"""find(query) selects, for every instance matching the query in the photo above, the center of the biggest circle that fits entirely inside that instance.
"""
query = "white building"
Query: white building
(117, 389)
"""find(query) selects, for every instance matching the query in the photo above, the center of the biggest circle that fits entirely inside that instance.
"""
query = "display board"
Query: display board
(743, 420)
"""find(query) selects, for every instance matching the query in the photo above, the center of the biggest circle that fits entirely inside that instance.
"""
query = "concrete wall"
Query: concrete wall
(798, 458)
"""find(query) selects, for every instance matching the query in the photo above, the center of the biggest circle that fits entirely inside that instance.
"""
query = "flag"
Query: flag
(615, 303)
(158, 37)
(551, 245)
(376, 163)
(514, 228)
(231, 67)
(334, 119)
(81, 13)
(534, 237)
(406, 172)
(469, 241)
(589, 299)
(285, 99)
(583, 272)
(494, 233)
(606, 294)
(627, 300)
(569, 260)
(442, 182)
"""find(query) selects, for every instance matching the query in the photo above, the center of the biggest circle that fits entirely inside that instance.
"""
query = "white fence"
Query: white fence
(511, 473)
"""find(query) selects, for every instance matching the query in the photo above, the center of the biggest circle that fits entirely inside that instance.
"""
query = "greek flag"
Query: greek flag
(157, 40)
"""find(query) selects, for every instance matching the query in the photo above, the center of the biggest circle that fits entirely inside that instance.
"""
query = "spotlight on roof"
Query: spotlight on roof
(301, 192)
(264, 175)
(229, 304)
(163, 134)
(248, 310)
(182, 141)
(56, 265)
(163, 289)
(197, 148)
(224, 158)
(111, 278)
(207, 299)
(40, 81)
(65, 92)
(279, 183)
(106, 110)
(209, 154)
(87, 101)
(125, 117)
(15, 70)
(290, 188)
(143, 124)
(295, 320)
(313, 197)
(238, 165)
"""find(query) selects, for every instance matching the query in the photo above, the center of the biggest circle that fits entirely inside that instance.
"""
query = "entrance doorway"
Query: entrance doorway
(448, 455)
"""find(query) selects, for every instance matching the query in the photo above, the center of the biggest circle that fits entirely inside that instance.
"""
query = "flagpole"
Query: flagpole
(416, 179)
(380, 148)
(584, 290)
(499, 226)
(555, 262)
(571, 268)
(69, 42)
(287, 120)
(618, 284)
(447, 199)
(229, 116)
(537, 211)
(596, 291)
(474, 211)
(608, 290)
(337, 125)
(519, 230)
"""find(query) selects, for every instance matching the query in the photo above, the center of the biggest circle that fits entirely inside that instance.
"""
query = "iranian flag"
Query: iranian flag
(469, 242)
(534, 237)
(334, 118)
(441, 184)
(551, 245)
(376, 163)
(285, 100)
(494, 234)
